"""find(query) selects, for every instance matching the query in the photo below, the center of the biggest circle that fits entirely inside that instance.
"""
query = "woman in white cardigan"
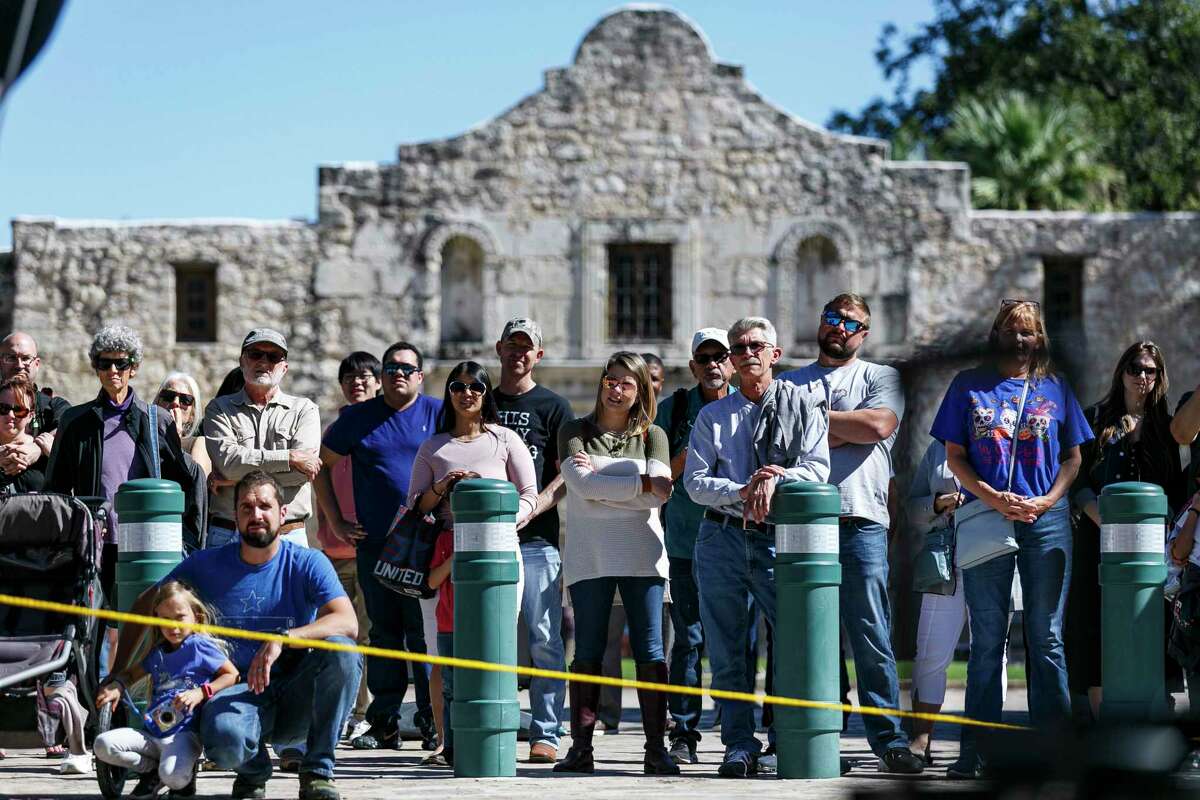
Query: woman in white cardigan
(616, 465)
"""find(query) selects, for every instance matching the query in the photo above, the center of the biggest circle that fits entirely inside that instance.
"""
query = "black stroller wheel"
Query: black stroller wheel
(111, 779)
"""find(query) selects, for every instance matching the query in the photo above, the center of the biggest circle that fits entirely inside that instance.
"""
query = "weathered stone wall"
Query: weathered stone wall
(71, 279)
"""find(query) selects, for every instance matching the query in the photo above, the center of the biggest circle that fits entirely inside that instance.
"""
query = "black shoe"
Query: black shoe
(246, 789)
(901, 761)
(428, 730)
(963, 772)
(577, 761)
(684, 752)
(659, 762)
(378, 736)
(847, 765)
(738, 764)
(148, 786)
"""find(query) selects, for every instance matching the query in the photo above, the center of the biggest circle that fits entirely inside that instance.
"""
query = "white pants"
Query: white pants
(938, 630)
(174, 755)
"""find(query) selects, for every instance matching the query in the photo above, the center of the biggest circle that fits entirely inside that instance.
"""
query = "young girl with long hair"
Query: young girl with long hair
(186, 669)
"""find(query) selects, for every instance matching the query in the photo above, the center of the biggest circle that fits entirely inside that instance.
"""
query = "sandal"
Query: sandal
(435, 760)
(56, 751)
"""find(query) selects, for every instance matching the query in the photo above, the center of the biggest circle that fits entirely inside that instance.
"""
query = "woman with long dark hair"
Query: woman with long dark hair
(470, 443)
(1132, 426)
(615, 463)
(1012, 430)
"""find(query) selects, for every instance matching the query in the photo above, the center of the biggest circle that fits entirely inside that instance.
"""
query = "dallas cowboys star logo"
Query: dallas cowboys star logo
(252, 603)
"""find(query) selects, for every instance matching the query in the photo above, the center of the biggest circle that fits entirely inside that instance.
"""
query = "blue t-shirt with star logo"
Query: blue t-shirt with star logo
(191, 665)
(285, 592)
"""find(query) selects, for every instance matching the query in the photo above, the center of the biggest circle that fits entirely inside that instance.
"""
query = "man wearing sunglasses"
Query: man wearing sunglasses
(866, 403)
(712, 369)
(19, 356)
(382, 436)
(743, 446)
(263, 427)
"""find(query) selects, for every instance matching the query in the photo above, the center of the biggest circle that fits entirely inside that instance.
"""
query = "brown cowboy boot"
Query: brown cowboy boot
(654, 720)
(585, 699)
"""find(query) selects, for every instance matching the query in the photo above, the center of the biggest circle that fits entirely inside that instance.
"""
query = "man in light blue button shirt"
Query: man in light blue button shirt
(741, 448)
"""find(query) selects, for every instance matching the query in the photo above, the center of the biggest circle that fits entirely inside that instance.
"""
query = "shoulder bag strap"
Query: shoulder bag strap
(155, 470)
(1012, 450)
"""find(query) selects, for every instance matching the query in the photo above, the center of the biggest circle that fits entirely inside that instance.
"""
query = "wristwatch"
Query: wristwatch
(283, 631)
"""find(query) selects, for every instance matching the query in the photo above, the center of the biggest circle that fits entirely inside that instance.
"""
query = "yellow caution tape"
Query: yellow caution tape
(487, 666)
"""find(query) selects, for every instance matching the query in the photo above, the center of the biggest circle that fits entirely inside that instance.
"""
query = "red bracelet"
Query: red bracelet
(207, 689)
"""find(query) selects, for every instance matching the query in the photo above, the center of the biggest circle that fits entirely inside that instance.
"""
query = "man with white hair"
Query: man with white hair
(19, 356)
(262, 427)
(742, 447)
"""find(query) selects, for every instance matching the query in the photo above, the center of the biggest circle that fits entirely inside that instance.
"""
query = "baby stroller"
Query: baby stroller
(49, 550)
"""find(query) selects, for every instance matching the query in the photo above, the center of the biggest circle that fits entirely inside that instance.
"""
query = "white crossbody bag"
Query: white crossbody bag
(981, 533)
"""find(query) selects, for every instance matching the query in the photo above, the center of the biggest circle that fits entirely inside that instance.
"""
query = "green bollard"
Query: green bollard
(807, 577)
(485, 714)
(1132, 571)
(149, 535)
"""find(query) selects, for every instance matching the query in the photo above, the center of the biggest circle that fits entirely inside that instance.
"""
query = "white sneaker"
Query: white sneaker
(768, 764)
(360, 727)
(75, 765)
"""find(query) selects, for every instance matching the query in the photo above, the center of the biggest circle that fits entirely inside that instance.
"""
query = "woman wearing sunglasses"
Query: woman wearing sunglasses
(179, 394)
(470, 443)
(1132, 426)
(616, 465)
(1012, 430)
(17, 405)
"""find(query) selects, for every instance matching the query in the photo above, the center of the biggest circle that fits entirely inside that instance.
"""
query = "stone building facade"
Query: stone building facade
(645, 191)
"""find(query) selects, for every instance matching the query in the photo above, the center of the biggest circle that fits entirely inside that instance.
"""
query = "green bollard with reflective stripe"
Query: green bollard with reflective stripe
(485, 714)
(1133, 520)
(149, 535)
(808, 620)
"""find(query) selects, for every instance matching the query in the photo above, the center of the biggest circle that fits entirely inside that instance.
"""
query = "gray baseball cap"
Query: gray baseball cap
(265, 335)
(525, 326)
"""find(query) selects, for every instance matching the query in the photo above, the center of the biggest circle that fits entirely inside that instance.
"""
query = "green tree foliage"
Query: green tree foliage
(1029, 154)
(1132, 66)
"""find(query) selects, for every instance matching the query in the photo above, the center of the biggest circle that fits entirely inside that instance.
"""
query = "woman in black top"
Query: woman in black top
(18, 403)
(1133, 443)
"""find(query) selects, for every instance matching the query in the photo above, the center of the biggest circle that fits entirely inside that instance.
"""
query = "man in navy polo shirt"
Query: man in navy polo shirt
(383, 436)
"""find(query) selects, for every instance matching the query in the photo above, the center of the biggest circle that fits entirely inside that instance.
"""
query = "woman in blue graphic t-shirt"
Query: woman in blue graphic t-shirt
(978, 422)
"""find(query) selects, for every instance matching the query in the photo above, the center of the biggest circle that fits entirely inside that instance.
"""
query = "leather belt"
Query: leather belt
(730, 521)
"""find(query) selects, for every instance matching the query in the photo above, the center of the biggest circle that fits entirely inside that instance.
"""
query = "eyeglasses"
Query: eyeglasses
(170, 396)
(1015, 301)
(13, 360)
(362, 377)
(834, 319)
(1134, 371)
(104, 364)
(458, 387)
(20, 412)
(711, 358)
(753, 348)
(270, 356)
(626, 385)
(407, 370)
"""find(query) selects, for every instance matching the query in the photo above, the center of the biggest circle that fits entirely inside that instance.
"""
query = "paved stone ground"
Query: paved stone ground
(26, 774)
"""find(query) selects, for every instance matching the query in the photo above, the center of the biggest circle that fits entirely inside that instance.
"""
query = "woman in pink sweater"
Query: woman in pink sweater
(470, 443)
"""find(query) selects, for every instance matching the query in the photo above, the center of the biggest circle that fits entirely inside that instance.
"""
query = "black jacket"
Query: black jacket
(76, 462)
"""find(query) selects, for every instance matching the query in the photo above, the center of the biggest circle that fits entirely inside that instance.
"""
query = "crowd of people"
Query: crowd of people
(669, 513)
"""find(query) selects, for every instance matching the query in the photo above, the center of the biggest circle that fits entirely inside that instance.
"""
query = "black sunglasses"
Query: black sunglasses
(20, 412)
(1134, 371)
(1016, 301)
(705, 359)
(170, 396)
(105, 364)
(458, 387)
(752, 347)
(392, 367)
(833, 319)
(270, 356)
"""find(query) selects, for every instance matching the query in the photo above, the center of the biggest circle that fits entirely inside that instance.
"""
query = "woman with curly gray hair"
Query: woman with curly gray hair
(103, 443)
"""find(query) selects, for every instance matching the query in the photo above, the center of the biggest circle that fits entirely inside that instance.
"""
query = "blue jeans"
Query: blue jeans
(396, 623)
(867, 617)
(730, 566)
(1044, 561)
(685, 654)
(304, 703)
(445, 644)
(592, 600)
(541, 605)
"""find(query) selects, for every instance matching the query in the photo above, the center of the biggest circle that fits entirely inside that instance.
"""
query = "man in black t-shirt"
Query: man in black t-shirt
(536, 413)
(19, 356)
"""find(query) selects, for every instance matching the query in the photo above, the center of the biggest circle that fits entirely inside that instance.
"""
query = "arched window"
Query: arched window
(462, 290)
(819, 278)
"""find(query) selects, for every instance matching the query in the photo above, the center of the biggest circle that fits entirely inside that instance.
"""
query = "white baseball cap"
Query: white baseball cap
(703, 335)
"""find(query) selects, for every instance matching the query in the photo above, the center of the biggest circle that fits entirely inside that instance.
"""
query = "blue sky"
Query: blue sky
(166, 108)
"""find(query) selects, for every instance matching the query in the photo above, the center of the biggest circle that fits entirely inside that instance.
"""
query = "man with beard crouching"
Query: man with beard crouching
(290, 695)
